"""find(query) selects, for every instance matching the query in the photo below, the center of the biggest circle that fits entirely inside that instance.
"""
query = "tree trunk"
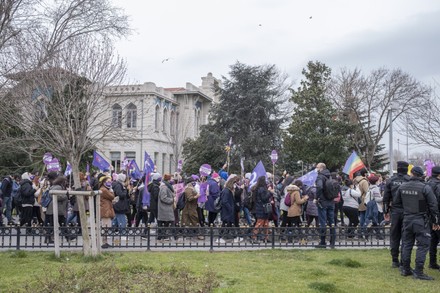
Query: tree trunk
(82, 210)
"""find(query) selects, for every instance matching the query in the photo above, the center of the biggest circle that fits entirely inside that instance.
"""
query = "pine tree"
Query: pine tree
(250, 111)
(316, 132)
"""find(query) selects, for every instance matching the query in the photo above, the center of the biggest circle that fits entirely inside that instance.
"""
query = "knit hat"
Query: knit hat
(195, 177)
(417, 171)
(373, 178)
(167, 177)
(215, 175)
(25, 175)
(155, 176)
(435, 171)
(402, 167)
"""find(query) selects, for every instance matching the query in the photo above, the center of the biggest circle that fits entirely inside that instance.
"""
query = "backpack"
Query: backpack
(46, 199)
(18, 198)
(181, 202)
(288, 200)
(331, 189)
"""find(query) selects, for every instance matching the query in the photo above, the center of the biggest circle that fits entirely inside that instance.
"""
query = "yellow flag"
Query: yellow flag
(410, 166)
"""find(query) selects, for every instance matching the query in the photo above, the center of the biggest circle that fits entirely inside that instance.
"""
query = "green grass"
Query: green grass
(244, 271)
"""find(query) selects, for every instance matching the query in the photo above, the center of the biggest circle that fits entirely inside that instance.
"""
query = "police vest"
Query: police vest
(413, 199)
(395, 183)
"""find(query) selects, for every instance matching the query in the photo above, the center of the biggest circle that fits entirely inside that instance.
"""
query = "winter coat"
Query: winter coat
(228, 206)
(296, 200)
(122, 206)
(165, 206)
(153, 189)
(320, 184)
(84, 187)
(375, 196)
(213, 193)
(363, 186)
(262, 197)
(62, 202)
(190, 217)
(351, 197)
(27, 192)
(312, 208)
(105, 203)
(6, 187)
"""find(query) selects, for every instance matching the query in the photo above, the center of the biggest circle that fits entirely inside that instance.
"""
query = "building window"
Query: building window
(196, 122)
(115, 158)
(173, 123)
(156, 118)
(172, 163)
(164, 157)
(131, 116)
(130, 156)
(156, 157)
(117, 116)
(165, 120)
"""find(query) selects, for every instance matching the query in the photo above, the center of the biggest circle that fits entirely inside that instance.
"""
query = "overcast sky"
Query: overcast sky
(202, 36)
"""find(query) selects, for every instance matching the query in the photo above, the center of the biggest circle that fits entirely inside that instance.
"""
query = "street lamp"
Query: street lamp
(302, 166)
(394, 106)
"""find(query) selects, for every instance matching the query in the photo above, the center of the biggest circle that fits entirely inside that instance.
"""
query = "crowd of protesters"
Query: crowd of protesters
(361, 206)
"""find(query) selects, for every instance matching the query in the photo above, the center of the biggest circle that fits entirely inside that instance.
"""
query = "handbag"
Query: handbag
(267, 208)
(288, 200)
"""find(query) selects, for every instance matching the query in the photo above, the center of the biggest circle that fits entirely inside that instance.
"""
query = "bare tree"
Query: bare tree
(424, 123)
(61, 105)
(366, 102)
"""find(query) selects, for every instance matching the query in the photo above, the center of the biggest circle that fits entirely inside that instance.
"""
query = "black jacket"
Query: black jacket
(390, 192)
(320, 185)
(122, 206)
(153, 189)
(27, 192)
(6, 189)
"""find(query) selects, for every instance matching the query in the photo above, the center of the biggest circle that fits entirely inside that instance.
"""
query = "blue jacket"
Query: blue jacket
(214, 192)
(228, 206)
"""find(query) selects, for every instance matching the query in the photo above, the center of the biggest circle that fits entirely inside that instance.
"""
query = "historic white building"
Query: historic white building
(158, 120)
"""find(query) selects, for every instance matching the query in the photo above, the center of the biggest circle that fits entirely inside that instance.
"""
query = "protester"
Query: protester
(263, 212)
(106, 206)
(189, 212)
(166, 202)
(213, 192)
(351, 197)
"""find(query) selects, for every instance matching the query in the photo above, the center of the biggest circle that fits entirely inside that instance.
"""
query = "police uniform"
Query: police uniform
(418, 201)
(434, 182)
(390, 205)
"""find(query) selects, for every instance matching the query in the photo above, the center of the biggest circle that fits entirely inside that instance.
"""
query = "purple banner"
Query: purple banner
(47, 158)
(203, 189)
(179, 166)
(54, 165)
(205, 170)
(274, 156)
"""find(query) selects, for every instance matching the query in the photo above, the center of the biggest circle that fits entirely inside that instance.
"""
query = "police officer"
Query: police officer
(396, 210)
(434, 182)
(418, 201)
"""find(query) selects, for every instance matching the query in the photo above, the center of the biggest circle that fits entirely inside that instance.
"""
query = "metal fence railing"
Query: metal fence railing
(208, 238)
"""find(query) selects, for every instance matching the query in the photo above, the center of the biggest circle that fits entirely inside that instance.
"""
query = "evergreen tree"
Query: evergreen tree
(250, 111)
(316, 133)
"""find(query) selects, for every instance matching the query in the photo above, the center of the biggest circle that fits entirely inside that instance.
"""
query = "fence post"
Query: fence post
(18, 237)
(97, 200)
(211, 239)
(273, 237)
(56, 225)
(92, 224)
(148, 237)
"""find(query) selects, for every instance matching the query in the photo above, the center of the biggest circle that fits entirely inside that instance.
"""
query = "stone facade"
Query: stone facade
(154, 119)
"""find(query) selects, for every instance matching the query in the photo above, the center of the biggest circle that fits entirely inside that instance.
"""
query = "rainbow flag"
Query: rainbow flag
(353, 164)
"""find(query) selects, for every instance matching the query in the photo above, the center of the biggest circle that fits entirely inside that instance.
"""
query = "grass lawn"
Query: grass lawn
(244, 271)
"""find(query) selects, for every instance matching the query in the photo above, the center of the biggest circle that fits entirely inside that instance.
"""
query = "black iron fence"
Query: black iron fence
(205, 238)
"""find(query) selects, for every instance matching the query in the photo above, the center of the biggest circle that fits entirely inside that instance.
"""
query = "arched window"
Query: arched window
(156, 118)
(131, 116)
(165, 120)
(196, 121)
(117, 116)
(173, 123)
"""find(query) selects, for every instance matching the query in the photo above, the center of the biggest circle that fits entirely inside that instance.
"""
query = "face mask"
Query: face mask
(108, 184)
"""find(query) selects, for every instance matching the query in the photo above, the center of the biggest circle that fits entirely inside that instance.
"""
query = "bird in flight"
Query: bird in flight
(260, 24)
(310, 17)
(167, 59)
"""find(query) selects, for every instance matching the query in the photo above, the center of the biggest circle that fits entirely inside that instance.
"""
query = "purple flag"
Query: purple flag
(429, 165)
(100, 162)
(203, 189)
(124, 164)
(148, 168)
(47, 158)
(257, 173)
(68, 169)
(133, 170)
(205, 170)
(309, 178)
(179, 166)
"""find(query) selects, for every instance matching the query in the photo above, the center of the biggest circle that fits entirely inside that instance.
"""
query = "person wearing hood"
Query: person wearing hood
(362, 183)
(212, 192)
(326, 207)
(121, 203)
(106, 205)
(27, 191)
(153, 189)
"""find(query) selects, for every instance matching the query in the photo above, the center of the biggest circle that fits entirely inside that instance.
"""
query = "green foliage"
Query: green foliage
(250, 111)
(323, 287)
(316, 134)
